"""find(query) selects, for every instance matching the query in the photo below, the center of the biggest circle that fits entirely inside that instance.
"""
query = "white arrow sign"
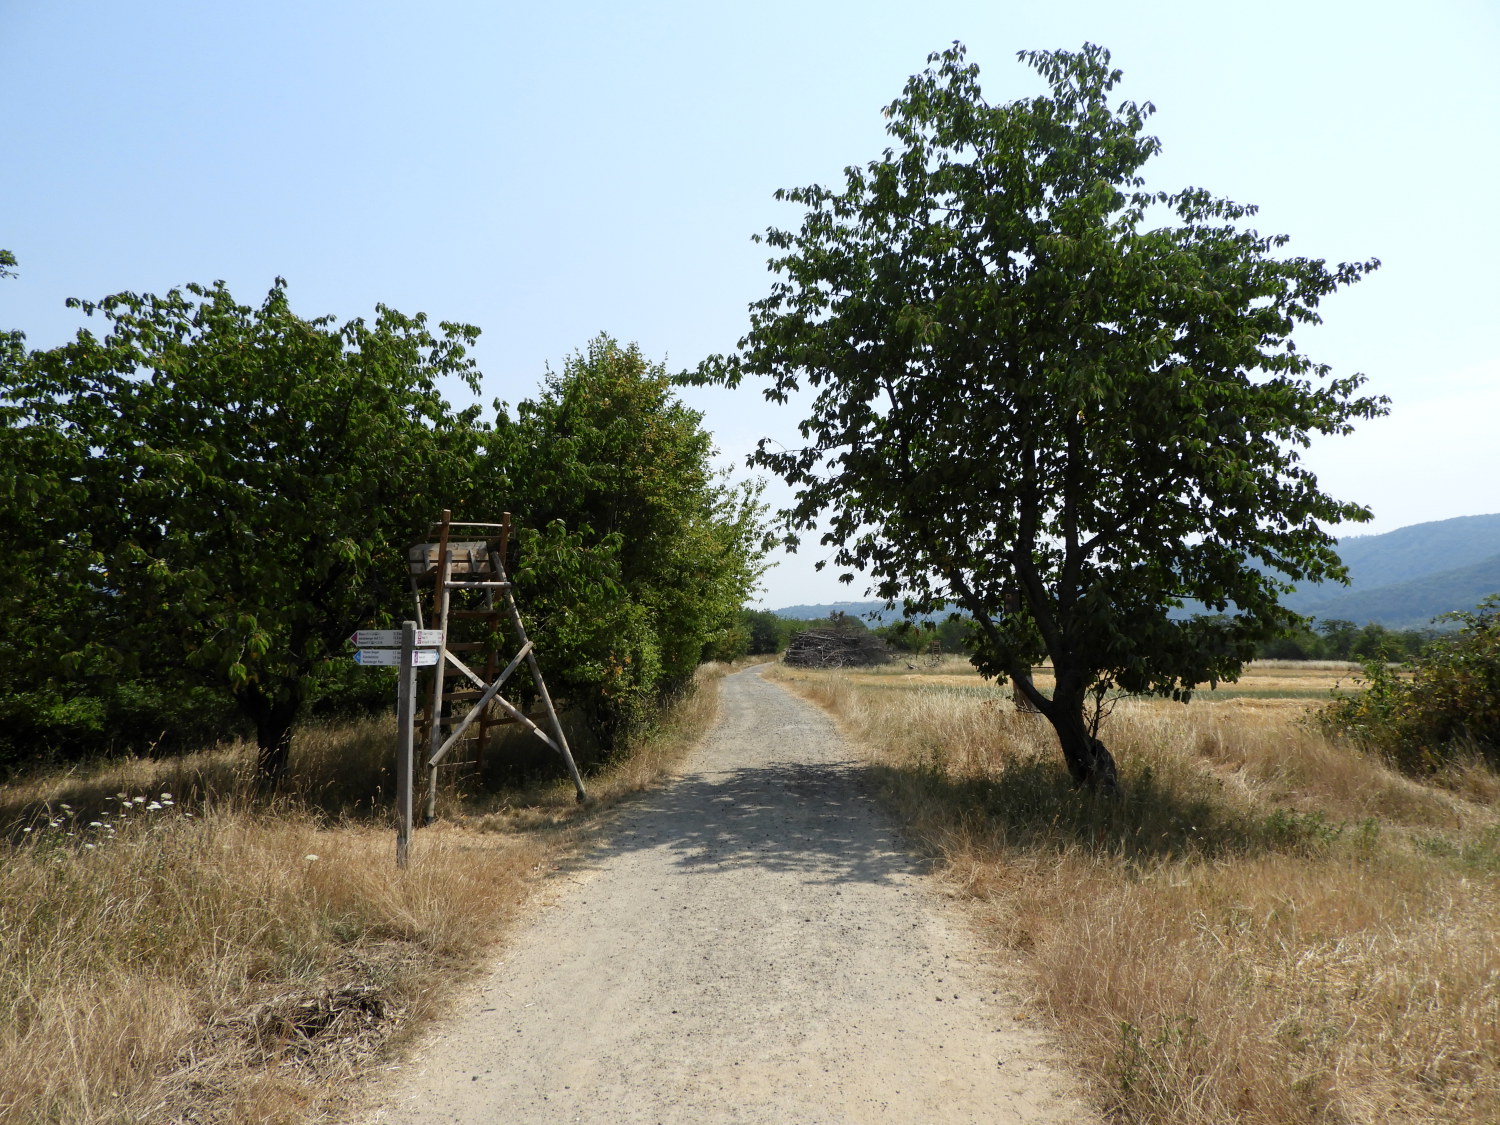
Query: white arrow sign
(391, 638)
(391, 657)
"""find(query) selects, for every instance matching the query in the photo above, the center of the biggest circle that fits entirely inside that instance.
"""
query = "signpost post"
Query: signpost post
(406, 691)
(417, 648)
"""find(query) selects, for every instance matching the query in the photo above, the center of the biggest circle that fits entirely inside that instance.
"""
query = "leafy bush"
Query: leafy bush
(1449, 705)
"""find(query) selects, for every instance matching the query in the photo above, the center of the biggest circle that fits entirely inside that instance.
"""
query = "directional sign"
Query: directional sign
(391, 638)
(391, 657)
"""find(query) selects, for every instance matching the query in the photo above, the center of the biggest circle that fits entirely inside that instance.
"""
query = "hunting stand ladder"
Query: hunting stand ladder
(472, 603)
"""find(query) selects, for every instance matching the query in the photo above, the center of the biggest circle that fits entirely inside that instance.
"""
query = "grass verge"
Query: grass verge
(1268, 928)
(174, 951)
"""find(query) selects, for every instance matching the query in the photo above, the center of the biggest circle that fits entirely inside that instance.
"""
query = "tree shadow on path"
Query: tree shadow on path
(814, 820)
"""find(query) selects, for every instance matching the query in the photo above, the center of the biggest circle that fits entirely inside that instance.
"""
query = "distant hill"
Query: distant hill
(1401, 579)
(1419, 550)
(1405, 578)
(861, 610)
(1406, 605)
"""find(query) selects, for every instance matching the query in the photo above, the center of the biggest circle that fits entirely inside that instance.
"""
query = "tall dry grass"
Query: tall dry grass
(172, 950)
(1267, 928)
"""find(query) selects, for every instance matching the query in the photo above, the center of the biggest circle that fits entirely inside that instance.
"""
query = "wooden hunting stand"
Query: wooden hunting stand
(472, 603)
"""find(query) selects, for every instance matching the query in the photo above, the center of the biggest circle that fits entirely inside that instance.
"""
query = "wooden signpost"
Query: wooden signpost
(417, 648)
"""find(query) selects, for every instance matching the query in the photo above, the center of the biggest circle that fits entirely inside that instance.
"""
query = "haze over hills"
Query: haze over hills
(1401, 579)
(1405, 578)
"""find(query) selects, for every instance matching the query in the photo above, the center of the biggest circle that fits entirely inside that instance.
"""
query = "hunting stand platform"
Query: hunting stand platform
(472, 603)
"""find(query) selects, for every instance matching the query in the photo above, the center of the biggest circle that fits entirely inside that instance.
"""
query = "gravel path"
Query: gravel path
(755, 944)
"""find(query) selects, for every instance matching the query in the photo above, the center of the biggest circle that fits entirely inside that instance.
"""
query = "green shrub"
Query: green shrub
(1448, 706)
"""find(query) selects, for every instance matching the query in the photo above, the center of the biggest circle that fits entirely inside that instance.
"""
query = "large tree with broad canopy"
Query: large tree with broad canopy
(1048, 395)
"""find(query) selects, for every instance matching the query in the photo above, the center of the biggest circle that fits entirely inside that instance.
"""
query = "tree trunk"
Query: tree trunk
(275, 720)
(1090, 764)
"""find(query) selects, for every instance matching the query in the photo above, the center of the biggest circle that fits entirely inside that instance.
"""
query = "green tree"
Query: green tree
(1050, 396)
(1298, 642)
(39, 488)
(767, 633)
(1339, 636)
(634, 555)
(241, 484)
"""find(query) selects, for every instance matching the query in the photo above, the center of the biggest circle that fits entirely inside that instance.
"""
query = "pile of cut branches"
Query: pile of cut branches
(836, 648)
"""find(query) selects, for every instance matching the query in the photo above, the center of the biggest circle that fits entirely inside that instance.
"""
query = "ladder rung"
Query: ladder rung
(454, 584)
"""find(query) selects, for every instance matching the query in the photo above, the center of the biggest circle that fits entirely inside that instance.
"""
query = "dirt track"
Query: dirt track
(754, 944)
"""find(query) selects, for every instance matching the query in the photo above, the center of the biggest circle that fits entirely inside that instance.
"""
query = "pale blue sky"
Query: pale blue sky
(550, 173)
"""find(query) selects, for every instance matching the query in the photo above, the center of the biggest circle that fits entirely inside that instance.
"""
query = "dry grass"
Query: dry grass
(175, 952)
(1268, 928)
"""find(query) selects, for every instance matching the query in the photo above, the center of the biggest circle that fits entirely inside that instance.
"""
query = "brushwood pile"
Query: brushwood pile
(836, 648)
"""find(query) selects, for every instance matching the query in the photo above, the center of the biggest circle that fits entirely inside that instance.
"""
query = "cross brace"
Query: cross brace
(461, 572)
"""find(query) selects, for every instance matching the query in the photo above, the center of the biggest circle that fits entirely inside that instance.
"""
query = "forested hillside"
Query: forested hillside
(1419, 550)
(864, 611)
(1405, 578)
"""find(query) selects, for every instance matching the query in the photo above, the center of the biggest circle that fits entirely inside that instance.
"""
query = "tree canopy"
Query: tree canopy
(1050, 396)
(636, 556)
(203, 501)
(240, 483)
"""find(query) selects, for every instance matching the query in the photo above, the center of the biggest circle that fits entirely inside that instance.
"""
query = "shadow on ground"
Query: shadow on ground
(1031, 805)
(816, 820)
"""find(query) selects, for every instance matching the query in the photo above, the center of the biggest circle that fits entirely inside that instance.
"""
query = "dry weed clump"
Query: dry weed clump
(1267, 928)
(176, 951)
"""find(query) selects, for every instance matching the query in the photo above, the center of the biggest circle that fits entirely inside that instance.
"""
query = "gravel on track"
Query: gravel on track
(754, 943)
